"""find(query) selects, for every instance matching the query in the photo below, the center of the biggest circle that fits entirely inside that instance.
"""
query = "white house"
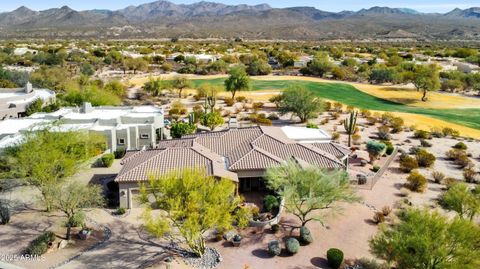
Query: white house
(129, 128)
(15, 101)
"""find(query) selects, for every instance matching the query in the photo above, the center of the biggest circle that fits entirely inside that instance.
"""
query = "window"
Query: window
(121, 141)
(144, 136)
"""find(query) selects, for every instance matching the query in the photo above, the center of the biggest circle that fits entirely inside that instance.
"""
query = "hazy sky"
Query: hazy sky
(329, 5)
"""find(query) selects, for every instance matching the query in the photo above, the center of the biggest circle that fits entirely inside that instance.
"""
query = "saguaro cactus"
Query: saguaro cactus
(210, 102)
(350, 124)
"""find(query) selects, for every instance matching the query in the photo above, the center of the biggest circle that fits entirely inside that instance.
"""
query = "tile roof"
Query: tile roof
(223, 153)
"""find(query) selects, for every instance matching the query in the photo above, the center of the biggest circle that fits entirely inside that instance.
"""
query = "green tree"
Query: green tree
(192, 204)
(116, 87)
(382, 75)
(300, 102)
(87, 69)
(259, 68)
(237, 81)
(155, 86)
(180, 129)
(212, 120)
(181, 83)
(426, 78)
(309, 190)
(45, 158)
(375, 149)
(135, 64)
(74, 197)
(462, 200)
(428, 240)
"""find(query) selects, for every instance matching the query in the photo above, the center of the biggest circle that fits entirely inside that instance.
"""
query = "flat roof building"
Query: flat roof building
(15, 101)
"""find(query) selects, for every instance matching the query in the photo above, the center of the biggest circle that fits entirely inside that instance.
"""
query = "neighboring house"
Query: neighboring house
(467, 67)
(302, 61)
(23, 51)
(14, 102)
(129, 128)
(241, 155)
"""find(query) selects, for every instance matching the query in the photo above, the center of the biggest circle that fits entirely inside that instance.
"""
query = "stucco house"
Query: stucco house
(241, 155)
(14, 101)
(128, 128)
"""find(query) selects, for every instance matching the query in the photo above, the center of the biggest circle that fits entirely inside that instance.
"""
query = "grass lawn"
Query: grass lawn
(349, 95)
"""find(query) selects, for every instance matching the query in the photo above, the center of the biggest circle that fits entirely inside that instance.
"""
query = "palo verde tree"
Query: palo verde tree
(301, 102)
(426, 78)
(191, 203)
(428, 240)
(181, 83)
(238, 80)
(461, 199)
(73, 198)
(155, 86)
(212, 120)
(309, 190)
(350, 125)
(45, 158)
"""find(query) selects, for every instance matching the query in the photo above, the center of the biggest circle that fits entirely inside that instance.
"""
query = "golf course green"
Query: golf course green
(350, 95)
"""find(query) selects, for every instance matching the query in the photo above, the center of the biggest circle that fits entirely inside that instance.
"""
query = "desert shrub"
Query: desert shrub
(416, 182)
(387, 117)
(257, 106)
(425, 158)
(334, 258)
(438, 177)
(229, 101)
(397, 124)
(469, 174)
(356, 139)
(4, 214)
(270, 202)
(375, 168)
(40, 245)
(378, 217)
(292, 245)
(454, 154)
(275, 228)
(335, 136)
(273, 116)
(460, 145)
(414, 150)
(447, 131)
(312, 125)
(241, 99)
(386, 210)
(437, 133)
(422, 134)
(350, 108)
(107, 159)
(120, 211)
(119, 153)
(383, 132)
(365, 112)
(375, 149)
(371, 120)
(424, 143)
(327, 106)
(408, 163)
(337, 107)
(390, 149)
(335, 115)
(449, 182)
(324, 121)
(274, 248)
(305, 235)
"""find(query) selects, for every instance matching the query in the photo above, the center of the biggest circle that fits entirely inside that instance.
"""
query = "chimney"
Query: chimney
(87, 107)
(28, 87)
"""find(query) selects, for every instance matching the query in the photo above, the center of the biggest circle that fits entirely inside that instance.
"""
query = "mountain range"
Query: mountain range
(164, 19)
